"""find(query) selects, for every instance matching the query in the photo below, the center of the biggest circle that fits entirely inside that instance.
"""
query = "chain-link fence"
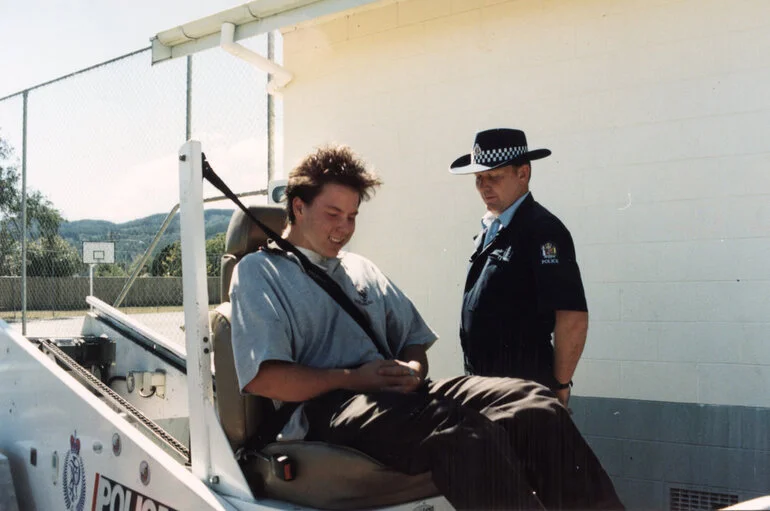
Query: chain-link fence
(95, 152)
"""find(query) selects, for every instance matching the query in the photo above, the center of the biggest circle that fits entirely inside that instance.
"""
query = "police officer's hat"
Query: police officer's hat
(496, 148)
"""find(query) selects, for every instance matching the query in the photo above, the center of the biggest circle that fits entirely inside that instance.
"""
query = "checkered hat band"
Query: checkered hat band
(498, 155)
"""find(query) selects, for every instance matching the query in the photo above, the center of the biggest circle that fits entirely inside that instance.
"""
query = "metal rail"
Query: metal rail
(168, 440)
(156, 239)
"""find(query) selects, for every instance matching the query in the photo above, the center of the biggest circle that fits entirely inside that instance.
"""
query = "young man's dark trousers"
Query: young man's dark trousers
(490, 443)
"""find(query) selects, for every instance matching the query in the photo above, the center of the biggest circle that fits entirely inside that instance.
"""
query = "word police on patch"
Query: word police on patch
(549, 254)
(113, 496)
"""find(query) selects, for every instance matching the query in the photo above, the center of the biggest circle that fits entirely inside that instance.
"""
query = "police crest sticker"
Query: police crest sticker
(549, 254)
(74, 477)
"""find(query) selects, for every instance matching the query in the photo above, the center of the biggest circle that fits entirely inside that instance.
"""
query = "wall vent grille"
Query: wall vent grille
(694, 500)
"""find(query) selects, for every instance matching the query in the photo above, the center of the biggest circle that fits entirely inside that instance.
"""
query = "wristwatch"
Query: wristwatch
(562, 386)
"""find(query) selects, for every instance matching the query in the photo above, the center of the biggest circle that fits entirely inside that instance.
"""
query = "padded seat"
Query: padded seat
(327, 476)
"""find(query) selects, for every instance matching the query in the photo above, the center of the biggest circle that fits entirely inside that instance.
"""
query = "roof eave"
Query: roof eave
(251, 19)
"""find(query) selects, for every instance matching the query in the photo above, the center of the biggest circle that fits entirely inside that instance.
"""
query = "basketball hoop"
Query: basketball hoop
(101, 252)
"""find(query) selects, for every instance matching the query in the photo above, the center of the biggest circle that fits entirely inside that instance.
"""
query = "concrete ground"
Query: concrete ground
(166, 324)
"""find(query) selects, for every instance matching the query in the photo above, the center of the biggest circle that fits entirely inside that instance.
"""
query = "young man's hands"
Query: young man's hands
(391, 375)
(292, 382)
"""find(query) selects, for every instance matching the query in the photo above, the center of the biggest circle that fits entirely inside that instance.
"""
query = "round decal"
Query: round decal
(74, 477)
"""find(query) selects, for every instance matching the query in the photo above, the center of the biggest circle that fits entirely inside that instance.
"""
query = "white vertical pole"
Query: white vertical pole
(91, 279)
(24, 216)
(212, 458)
(188, 102)
(270, 114)
(195, 292)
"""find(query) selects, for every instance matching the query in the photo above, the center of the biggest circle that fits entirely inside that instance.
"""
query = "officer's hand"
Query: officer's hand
(407, 375)
(382, 375)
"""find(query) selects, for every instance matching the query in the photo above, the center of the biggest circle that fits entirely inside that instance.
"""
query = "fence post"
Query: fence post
(25, 96)
(270, 114)
(188, 99)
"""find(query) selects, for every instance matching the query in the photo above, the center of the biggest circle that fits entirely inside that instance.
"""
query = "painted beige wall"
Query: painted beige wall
(657, 113)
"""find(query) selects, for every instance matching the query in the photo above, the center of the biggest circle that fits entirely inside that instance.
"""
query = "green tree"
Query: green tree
(43, 220)
(52, 258)
(110, 270)
(10, 254)
(215, 247)
(168, 262)
(131, 266)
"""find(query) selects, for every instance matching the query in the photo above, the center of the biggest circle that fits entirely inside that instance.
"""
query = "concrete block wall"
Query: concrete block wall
(657, 114)
(653, 449)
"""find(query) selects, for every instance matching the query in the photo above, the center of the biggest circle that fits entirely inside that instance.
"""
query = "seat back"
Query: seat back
(240, 415)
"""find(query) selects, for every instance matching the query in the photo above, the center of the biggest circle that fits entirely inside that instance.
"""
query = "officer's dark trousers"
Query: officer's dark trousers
(490, 443)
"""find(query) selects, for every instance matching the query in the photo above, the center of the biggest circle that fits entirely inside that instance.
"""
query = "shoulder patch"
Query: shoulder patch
(549, 253)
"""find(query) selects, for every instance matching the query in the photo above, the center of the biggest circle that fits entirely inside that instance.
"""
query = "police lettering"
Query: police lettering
(112, 496)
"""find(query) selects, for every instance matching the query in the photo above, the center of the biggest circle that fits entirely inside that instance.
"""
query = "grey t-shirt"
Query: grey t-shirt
(279, 313)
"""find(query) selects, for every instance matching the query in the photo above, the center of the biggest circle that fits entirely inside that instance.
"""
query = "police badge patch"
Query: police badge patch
(74, 477)
(549, 254)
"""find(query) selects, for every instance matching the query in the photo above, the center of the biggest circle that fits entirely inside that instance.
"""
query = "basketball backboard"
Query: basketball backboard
(98, 252)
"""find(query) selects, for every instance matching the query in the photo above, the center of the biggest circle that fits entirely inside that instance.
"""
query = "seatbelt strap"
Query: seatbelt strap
(318, 275)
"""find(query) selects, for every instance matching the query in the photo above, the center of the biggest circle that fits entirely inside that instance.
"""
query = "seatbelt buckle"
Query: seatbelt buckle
(283, 467)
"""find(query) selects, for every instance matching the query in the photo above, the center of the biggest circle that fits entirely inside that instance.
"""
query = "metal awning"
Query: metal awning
(254, 18)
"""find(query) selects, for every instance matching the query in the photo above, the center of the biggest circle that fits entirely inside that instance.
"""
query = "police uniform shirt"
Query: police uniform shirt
(513, 288)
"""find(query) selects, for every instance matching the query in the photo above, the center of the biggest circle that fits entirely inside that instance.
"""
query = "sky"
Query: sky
(102, 145)
(43, 39)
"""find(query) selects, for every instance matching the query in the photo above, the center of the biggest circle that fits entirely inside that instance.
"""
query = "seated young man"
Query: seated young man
(490, 443)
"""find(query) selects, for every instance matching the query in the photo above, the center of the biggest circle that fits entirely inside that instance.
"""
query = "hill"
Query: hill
(133, 237)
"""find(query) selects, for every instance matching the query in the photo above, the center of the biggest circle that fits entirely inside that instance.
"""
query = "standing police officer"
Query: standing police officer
(523, 281)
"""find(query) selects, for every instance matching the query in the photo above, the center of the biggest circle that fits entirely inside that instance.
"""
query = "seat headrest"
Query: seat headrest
(244, 236)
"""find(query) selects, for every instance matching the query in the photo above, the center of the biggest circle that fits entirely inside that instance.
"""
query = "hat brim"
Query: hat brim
(463, 165)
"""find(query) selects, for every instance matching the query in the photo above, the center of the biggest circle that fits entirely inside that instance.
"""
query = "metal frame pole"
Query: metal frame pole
(188, 99)
(195, 298)
(212, 459)
(270, 114)
(166, 222)
(25, 98)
